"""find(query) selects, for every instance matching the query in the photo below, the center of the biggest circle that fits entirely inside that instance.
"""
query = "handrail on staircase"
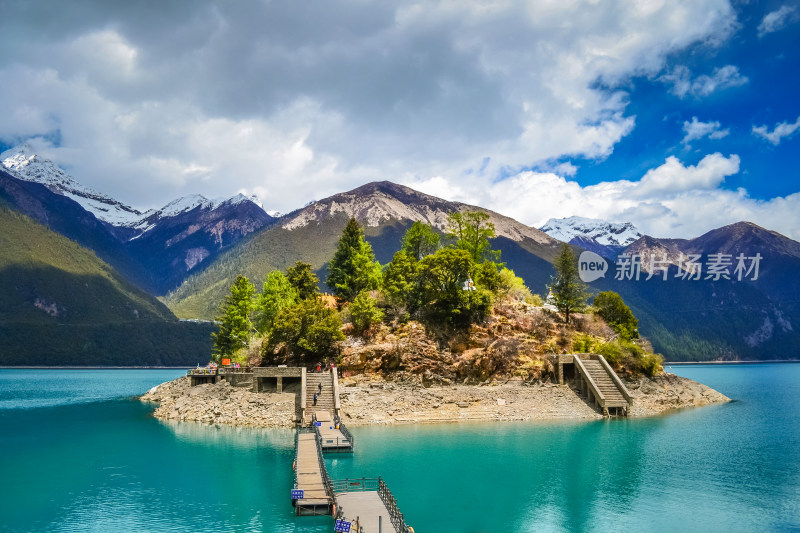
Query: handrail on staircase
(615, 378)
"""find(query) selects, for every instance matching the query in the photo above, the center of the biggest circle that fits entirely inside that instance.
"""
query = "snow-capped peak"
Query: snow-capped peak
(184, 204)
(602, 232)
(22, 162)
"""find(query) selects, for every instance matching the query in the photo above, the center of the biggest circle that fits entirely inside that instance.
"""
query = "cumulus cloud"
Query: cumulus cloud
(292, 100)
(778, 133)
(704, 85)
(697, 130)
(671, 200)
(777, 20)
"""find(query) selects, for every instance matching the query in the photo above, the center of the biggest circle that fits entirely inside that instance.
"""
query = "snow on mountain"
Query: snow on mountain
(23, 163)
(600, 231)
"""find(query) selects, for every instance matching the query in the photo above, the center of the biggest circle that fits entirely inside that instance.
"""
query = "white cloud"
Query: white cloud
(294, 101)
(778, 133)
(704, 85)
(777, 20)
(672, 200)
(697, 130)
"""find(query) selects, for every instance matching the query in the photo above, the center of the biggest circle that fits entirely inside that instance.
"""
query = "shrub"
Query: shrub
(625, 355)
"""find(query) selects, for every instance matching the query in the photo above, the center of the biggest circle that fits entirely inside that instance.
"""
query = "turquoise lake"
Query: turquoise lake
(79, 453)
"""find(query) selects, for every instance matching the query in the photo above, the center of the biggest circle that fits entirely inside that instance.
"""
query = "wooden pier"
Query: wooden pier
(368, 505)
(312, 493)
(361, 505)
(333, 435)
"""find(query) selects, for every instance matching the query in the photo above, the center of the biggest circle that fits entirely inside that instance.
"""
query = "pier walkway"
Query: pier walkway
(312, 493)
(368, 506)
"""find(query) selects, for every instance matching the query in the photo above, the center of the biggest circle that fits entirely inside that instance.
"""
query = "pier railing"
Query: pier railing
(326, 480)
(202, 372)
(395, 516)
(366, 484)
(345, 432)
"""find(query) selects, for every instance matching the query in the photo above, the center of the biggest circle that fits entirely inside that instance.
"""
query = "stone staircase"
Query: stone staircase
(614, 397)
(325, 400)
(614, 394)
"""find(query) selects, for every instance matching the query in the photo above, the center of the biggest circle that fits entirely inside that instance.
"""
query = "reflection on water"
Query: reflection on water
(231, 436)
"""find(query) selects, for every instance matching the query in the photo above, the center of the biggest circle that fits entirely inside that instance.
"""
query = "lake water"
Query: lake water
(78, 453)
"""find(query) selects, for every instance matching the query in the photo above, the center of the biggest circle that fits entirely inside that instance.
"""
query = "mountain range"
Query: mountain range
(189, 252)
(156, 249)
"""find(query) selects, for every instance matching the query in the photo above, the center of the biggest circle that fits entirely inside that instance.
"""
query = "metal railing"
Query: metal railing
(395, 516)
(202, 372)
(366, 484)
(363, 484)
(326, 480)
(345, 431)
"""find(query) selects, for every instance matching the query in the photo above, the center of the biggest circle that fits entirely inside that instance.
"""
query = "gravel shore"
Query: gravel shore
(369, 400)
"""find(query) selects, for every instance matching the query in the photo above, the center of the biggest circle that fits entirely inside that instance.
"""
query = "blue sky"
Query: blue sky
(771, 65)
(680, 116)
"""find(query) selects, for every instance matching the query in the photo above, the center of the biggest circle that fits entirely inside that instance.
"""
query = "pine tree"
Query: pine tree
(364, 312)
(277, 293)
(303, 280)
(236, 326)
(568, 290)
(420, 240)
(399, 278)
(353, 268)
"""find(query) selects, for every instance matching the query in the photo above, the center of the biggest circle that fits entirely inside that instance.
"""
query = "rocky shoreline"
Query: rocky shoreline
(370, 400)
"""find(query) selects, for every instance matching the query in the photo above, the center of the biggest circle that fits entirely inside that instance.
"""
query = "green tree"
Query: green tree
(472, 231)
(440, 289)
(303, 279)
(353, 268)
(420, 240)
(568, 290)
(309, 331)
(236, 326)
(364, 312)
(611, 308)
(487, 277)
(399, 278)
(514, 287)
(277, 293)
